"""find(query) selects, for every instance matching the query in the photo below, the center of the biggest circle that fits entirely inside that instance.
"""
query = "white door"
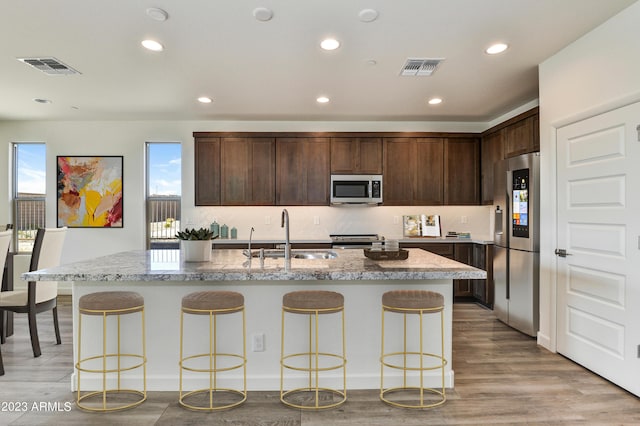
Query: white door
(598, 169)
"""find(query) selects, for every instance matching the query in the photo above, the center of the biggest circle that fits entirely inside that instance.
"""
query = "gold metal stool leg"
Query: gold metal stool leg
(107, 396)
(313, 368)
(387, 360)
(188, 399)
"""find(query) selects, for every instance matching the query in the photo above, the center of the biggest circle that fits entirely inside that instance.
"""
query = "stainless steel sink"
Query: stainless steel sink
(316, 254)
(295, 254)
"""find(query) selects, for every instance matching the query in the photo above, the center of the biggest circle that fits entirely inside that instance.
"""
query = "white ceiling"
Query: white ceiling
(275, 70)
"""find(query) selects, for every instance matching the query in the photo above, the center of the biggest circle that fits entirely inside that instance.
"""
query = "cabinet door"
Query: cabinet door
(316, 155)
(442, 249)
(302, 171)
(247, 171)
(483, 289)
(370, 156)
(491, 151)
(461, 169)
(263, 171)
(291, 176)
(207, 171)
(235, 175)
(350, 155)
(519, 137)
(536, 133)
(463, 254)
(429, 172)
(344, 154)
(399, 171)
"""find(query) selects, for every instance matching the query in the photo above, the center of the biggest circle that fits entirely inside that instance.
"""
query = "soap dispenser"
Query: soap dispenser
(215, 228)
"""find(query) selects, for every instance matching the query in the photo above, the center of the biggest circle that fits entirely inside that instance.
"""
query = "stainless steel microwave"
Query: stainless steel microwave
(356, 189)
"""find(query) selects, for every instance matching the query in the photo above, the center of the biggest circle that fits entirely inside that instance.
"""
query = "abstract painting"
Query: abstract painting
(89, 191)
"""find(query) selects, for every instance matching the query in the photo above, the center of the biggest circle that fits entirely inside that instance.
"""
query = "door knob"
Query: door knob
(562, 253)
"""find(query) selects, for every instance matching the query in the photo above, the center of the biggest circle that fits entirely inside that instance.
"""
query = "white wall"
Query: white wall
(596, 73)
(127, 138)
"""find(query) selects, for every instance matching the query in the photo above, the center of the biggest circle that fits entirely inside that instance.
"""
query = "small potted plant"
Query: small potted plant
(195, 244)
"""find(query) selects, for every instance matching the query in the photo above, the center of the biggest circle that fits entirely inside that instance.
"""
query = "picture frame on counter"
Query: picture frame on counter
(422, 225)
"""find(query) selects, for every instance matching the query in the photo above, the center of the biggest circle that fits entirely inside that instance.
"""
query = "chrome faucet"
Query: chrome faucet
(250, 238)
(287, 242)
(247, 252)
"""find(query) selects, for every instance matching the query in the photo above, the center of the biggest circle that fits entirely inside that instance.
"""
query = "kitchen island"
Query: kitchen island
(162, 278)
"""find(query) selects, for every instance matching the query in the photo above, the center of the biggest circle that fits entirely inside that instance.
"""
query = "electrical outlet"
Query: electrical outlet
(396, 220)
(464, 219)
(267, 220)
(257, 342)
(316, 220)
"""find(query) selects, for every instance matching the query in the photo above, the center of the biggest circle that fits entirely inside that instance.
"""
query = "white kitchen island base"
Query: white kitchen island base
(163, 279)
(263, 302)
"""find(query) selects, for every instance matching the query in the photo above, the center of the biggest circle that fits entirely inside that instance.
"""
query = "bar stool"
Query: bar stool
(213, 304)
(413, 302)
(313, 304)
(105, 304)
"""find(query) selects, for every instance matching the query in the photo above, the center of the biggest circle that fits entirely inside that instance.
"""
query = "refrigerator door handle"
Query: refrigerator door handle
(498, 221)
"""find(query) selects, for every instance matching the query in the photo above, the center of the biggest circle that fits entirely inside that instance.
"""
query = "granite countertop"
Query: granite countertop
(232, 265)
(475, 239)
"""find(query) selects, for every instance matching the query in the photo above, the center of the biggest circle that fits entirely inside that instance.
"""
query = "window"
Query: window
(29, 191)
(164, 180)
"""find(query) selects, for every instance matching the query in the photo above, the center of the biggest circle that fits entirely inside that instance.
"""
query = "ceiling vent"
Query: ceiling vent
(420, 66)
(49, 66)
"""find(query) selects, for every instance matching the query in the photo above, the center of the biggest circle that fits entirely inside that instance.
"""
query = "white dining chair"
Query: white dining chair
(41, 296)
(5, 240)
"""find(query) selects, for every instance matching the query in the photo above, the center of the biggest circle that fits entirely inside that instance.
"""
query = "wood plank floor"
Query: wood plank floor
(502, 377)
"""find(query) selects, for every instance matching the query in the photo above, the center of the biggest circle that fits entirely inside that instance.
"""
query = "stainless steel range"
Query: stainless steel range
(354, 241)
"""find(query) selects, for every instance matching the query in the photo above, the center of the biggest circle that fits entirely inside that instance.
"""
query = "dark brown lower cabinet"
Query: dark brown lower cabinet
(483, 259)
(463, 289)
(477, 255)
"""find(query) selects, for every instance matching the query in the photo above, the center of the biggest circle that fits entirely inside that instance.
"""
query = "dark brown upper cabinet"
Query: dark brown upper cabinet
(518, 135)
(247, 171)
(207, 171)
(399, 171)
(491, 151)
(522, 136)
(302, 171)
(413, 171)
(355, 155)
(429, 171)
(461, 171)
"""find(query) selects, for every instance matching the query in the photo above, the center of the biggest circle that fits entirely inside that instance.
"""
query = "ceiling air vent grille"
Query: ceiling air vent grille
(420, 66)
(49, 66)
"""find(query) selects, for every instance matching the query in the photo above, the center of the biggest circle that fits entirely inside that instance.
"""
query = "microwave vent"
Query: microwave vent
(421, 67)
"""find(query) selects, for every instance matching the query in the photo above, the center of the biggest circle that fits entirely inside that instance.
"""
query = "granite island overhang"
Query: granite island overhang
(162, 278)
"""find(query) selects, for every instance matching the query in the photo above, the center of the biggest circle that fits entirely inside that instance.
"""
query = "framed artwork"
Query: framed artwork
(89, 191)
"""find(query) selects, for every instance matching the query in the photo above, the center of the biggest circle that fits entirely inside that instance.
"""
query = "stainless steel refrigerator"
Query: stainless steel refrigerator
(516, 259)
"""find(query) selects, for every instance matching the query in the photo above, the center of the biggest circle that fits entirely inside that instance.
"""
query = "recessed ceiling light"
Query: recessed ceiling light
(330, 44)
(262, 14)
(152, 45)
(435, 101)
(368, 15)
(42, 101)
(322, 99)
(371, 62)
(494, 49)
(205, 100)
(157, 14)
